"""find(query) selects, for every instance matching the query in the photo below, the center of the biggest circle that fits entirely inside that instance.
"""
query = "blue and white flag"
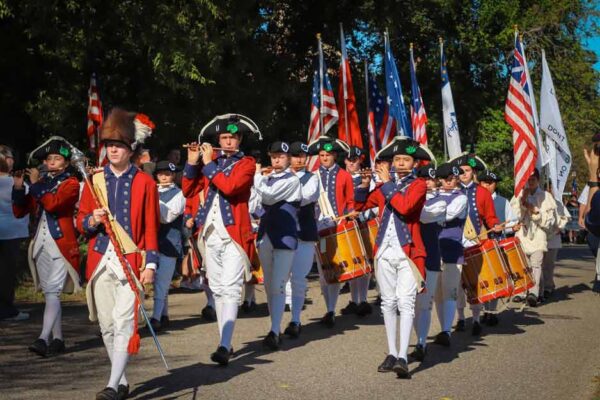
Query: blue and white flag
(394, 93)
(451, 135)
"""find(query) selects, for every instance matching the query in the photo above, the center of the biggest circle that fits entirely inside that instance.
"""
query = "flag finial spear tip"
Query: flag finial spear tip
(440, 39)
(411, 45)
(318, 36)
(516, 27)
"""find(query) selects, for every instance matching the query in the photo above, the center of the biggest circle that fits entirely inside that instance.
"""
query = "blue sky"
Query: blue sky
(594, 44)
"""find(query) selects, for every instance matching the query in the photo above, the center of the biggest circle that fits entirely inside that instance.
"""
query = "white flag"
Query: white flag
(451, 135)
(543, 157)
(556, 138)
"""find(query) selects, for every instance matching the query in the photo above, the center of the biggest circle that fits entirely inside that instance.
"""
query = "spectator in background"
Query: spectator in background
(554, 243)
(12, 233)
(592, 211)
(572, 227)
(174, 157)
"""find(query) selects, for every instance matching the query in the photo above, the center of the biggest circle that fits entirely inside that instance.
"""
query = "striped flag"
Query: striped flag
(393, 87)
(348, 127)
(380, 126)
(519, 114)
(323, 112)
(94, 113)
(418, 116)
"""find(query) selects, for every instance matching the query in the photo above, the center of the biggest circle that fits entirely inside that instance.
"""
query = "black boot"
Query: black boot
(39, 347)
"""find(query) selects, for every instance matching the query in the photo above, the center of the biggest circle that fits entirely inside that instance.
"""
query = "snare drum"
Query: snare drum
(368, 232)
(485, 276)
(341, 253)
(518, 264)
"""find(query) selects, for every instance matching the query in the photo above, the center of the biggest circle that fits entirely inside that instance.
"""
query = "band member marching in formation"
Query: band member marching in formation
(432, 214)
(54, 251)
(280, 192)
(399, 250)
(480, 215)
(129, 200)
(359, 287)
(336, 199)
(170, 247)
(225, 233)
(451, 249)
(307, 235)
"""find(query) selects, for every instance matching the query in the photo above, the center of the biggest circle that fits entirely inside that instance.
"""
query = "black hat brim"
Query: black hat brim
(402, 145)
(337, 146)
(219, 124)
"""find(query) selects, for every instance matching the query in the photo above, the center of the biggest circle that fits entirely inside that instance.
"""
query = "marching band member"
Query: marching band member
(225, 233)
(336, 199)
(54, 252)
(277, 241)
(536, 209)
(170, 247)
(191, 209)
(359, 287)
(307, 235)
(399, 253)
(130, 197)
(432, 214)
(451, 249)
(480, 214)
(489, 180)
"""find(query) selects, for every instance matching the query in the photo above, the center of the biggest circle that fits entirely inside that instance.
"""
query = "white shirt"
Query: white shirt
(583, 197)
(435, 212)
(310, 190)
(288, 189)
(172, 209)
(509, 216)
(457, 208)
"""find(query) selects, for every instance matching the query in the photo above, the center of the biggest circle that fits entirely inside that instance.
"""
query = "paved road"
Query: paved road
(549, 352)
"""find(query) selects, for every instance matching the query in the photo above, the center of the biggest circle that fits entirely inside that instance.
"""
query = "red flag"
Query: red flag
(348, 127)
(94, 115)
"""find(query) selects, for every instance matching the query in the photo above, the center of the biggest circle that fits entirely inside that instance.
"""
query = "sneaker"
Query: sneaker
(57, 346)
(39, 347)
(388, 364)
(293, 330)
(443, 339)
(272, 341)
(351, 308)
(401, 369)
(419, 353)
(221, 356)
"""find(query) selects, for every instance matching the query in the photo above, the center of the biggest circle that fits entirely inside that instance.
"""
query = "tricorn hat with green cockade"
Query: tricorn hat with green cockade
(328, 144)
(237, 124)
(469, 159)
(55, 145)
(402, 145)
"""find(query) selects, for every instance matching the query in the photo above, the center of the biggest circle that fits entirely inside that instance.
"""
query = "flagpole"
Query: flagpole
(320, 85)
(97, 134)
(345, 83)
(444, 129)
(367, 113)
(387, 46)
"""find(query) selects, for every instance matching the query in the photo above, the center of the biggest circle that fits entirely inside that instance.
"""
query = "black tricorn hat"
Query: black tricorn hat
(469, 159)
(55, 145)
(488, 176)
(427, 171)
(402, 145)
(328, 144)
(448, 169)
(229, 123)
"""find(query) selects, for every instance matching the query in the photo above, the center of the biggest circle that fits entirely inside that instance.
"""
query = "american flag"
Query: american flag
(324, 111)
(94, 114)
(393, 88)
(380, 126)
(418, 116)
(518, 113)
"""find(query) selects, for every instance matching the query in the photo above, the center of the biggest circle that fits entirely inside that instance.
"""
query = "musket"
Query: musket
(78, 160)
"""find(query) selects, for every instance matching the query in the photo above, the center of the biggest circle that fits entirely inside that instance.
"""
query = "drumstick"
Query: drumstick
(351, 214)
(485, 231)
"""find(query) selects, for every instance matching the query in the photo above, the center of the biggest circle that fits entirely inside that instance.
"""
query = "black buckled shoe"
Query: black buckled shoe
(532, 300)
(419, 353)
(221, 356)
(156, 325)
(460, 325)
(272, 341)
(401, 369)
(248, 307)
(57, 346)
(596, 286)
(328, 319)
(476, 329)
(351, 308)
(209, 314)
(388, 364)
(39, 347)
(364, 309)
(293, 330)
(443, 339)
(107, 393)
(164, 322)
(122, 392)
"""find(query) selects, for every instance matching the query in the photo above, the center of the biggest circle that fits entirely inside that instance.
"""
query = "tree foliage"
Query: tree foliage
(182, 62)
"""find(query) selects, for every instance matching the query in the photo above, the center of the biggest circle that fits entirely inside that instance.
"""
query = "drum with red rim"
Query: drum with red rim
(485, 275)
(518, 264)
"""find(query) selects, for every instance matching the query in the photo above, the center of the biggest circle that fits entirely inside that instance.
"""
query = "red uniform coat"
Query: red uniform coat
(409, 204)
(485, 206)
(61, 205)
(145, 221)
(235, 188)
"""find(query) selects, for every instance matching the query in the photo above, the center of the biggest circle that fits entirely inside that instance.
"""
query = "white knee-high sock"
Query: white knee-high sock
(249, 293)
(288, 293)
(332, 297)
(157, 311)
(277, 308)
(297, 304)
(448, 314)
(439, 309)
(390, 320)
(363, 287)
(51, 313)
(406, 323)
(219, 312)
(57, 327)
(355, 290)
(117, 370)
(165, 311)
(476, 310)
(108, 344)
(210, 299)
(229, 313)
(422, 324)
